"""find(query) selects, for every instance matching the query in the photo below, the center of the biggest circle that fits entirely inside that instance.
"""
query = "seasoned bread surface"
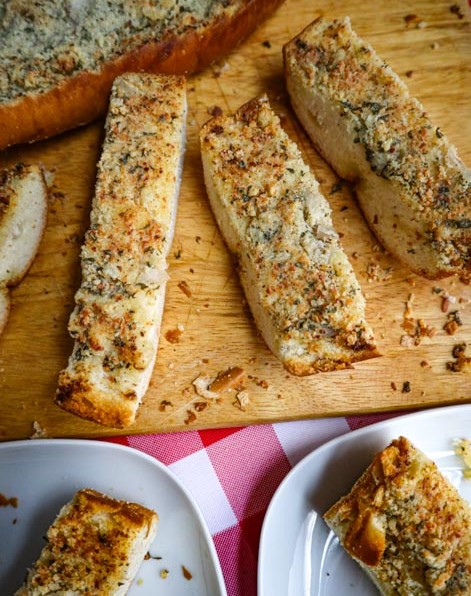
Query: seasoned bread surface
(59, 59)
(95, 546)
(413, 189)
(23, 216)
(406, 525)
(300, 286)
(119, 305)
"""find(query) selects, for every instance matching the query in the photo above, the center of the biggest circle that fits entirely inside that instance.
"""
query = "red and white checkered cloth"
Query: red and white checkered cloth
(233, 474)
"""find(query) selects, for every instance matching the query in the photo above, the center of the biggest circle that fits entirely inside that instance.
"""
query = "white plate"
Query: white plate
(44, 474)
(298, 554)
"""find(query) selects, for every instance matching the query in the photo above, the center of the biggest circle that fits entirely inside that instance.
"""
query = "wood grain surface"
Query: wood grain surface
(431, 52)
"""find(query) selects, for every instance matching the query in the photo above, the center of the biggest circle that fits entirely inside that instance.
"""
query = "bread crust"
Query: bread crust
(406, 525)
(84, 96)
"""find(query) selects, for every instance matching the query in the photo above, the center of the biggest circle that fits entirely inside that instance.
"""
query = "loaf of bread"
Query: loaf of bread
(413, 189)
(95, 545)
(406, 525)
(23, 215)
(59, 59)
(116, 321)
(303, 293)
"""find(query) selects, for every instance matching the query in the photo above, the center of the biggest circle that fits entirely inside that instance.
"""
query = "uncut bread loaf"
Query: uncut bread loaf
(301, 288)
(116, 320)
(406, 525)
(59, 59)
(23, 216)
(95, 545)
(413, 189)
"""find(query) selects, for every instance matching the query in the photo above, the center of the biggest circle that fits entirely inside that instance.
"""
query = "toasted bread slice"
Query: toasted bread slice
(59, 59)
(23, 216)
(406, 525)
(413, 189)
(116, 321)
(301, 288)
(95, 546)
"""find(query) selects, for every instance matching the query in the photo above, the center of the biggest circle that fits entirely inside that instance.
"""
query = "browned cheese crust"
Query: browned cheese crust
(63, 75)
(406, 525)
(91, 547)
(302, 290)
(413, 189)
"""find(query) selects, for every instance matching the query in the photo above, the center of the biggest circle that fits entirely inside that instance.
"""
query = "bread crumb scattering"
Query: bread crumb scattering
(242, 400)
(8, 501)
(185, 288)
(228, 379)
(374, 272)
(164, 573)
(462, 362)
(173, 336)
(201, 385)
(186, 574)
(260, 382)
(39, 431)
(164, 404)
(215, 111)
(453, 322)
(415, 329)
(456, 9)
(191, 417)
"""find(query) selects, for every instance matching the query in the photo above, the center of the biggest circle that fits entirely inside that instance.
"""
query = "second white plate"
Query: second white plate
(45, 474)
(298, 554)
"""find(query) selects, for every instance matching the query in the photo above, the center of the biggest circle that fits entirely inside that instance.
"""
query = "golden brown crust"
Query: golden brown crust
(95, 546)
(406, 525)
(132, 514)
(83, 399)
(84, 97)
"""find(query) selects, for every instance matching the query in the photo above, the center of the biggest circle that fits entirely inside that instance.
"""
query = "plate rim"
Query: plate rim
(347, 436)
(134, 452)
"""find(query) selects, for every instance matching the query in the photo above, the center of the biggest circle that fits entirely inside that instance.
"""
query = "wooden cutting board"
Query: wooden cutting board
(431, 50)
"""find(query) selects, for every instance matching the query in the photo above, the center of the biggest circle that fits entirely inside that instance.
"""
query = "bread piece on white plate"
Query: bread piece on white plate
(301, 288)
(119, 306)
(23, 216)
(413, 189)
(406, 525)
(95, 545)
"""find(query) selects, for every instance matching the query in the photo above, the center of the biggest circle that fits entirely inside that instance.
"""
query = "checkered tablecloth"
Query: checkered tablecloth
(233, 474)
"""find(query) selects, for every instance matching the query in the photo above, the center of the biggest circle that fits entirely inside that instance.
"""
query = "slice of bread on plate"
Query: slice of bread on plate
(23, 216)
(119, 306)
(413, 189)
(303, 293)
(95, 545)
(406, 525)
(59, 59)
